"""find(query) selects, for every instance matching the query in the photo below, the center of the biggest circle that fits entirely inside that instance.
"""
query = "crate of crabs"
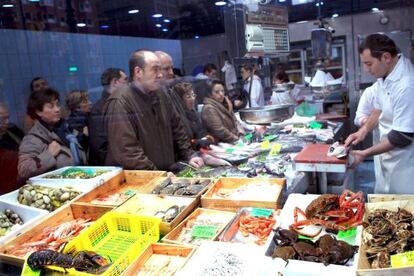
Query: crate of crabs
(388, 239)
(321, 232)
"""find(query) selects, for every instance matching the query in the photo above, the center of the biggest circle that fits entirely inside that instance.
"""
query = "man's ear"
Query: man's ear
(387, 57)
(138, 71)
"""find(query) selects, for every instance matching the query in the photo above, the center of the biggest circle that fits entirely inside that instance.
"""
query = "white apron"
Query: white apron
(394, 170)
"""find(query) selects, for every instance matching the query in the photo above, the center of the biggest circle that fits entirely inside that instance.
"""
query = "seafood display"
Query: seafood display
(46, 198)
(181, 186)
(218, 220)
(85, 261)
(224, 263)
(258, 191)
(287, 244)
(332, 212)
(386, 233)
(113, 199)
(257, 226)
(159, 264)
(52, 238)
(8, 219)
(169, 214)
(76, 173)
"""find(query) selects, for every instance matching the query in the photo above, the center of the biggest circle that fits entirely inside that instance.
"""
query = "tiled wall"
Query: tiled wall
(26, 54)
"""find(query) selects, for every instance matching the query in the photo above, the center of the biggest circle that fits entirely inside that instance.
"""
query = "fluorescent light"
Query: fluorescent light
(133, 11)
(81, 25)
(158, 25)
(335, 15)
(196, 37)
(104, 26)
(34, 0)
(157, 15)
(167, 20)
(281, 1)
(300, 22)
(7, 5)
(165, 30)
(375, 10)
(220, 3)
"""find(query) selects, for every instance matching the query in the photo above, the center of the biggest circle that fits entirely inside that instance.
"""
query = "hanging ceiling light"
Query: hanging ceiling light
(335, 15)
(157, 15)
(81, 25)
(7, 5)
(133, 11)
(220, 3)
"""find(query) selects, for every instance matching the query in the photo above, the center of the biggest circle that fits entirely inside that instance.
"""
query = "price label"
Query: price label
(240, 144)
(315, 125)
(248, 136)
(402, 259)
(204, 231)
(304, 238)
(265, 145)
(261, 213)
(130, 192)
(347, 234)
(230, 150)
(275, 150)
(270, 137)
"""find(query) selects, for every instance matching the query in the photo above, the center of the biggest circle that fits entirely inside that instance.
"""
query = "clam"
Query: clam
(171, 213)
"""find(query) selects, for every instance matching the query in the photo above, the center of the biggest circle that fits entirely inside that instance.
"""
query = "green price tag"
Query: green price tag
(130, 192)
(262, 213)
(347, 234)
(248, 136)
(402, 259)
(204, 231)
(315, 125)
(240, 144)
(275, 150)
(270, 137)
(230, 150)
(304, 237)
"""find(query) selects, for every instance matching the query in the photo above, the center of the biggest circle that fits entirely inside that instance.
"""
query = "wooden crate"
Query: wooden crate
(68, 213)
(141, 177)
(129, 180)
(174, 234)
(363, 265)
(208, 201)
(147, 205)
(162, 249)
(372, 198)
(150, 186)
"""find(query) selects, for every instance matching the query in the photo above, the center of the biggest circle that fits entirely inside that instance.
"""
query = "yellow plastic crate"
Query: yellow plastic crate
(122, 237)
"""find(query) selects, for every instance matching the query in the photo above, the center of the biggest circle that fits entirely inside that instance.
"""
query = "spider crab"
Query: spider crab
(332, 212)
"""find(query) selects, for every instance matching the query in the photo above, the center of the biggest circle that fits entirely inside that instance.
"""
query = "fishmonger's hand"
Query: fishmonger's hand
(356, 137)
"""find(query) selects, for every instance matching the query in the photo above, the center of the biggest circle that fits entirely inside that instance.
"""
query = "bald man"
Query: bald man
(166, 65)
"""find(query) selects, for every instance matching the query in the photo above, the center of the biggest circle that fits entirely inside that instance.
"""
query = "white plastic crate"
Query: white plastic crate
(28, 214)
(82, 185)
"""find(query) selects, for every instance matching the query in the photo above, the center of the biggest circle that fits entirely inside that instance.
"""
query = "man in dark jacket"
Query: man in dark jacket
(111, 80)
(144, 128)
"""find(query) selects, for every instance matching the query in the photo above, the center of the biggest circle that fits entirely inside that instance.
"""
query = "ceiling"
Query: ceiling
(180, 18)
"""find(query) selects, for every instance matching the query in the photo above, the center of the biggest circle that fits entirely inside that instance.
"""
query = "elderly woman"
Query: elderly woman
(191, 121)
(218, 117)
(49, 144)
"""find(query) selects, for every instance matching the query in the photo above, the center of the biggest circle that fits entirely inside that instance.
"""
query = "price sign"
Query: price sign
(348, 233)
(275, 150)
(304, 237)
(402, 259)
(270, 137)
(260, 212)
(204, 231)
(265, 145)
(230, 150)
(248, 136)
(130, 192)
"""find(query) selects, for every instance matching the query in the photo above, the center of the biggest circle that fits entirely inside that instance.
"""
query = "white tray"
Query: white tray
(295, 267)
(82, 185)
(28, 214)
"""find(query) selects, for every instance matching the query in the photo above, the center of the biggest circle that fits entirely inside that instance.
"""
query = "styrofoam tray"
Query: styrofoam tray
(253, 258)
(28, 214)
(295, 267)
(82, 185)
(12, 199)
